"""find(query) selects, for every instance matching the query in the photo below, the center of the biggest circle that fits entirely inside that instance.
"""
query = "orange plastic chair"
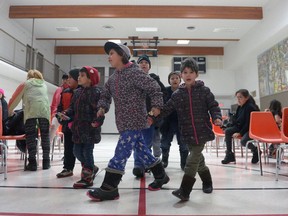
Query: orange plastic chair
(263, 129)
(3, 145)
(284, 136)
(219, 133)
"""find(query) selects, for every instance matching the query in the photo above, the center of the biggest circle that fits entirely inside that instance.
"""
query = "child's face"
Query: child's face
(83, 80)
(144, 65)
(72, 83)
(114, 59)
(174, 81)
(189, 76)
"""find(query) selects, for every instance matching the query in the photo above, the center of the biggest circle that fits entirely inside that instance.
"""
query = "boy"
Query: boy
(86, 126)
(128, 86)
(193, 102)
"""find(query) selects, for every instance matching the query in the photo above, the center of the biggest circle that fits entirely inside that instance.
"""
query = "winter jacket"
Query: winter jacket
(242, 116)
(194, 107)
(129, 88)
(83, 111)
(4, 109)
(34, 95)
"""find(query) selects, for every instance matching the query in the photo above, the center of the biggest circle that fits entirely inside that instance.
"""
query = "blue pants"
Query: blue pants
(84, 153)
(128, 141)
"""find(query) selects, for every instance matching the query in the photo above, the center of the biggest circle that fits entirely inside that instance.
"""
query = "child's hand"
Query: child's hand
(155, 111)
(98, 122)
(150, 120)
(62, 116)
(101, 112)
(218, 122)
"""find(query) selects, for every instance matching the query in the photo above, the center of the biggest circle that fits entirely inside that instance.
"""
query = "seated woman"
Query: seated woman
(240, 126)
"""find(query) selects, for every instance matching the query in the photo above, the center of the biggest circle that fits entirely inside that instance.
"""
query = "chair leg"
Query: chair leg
(260, 159)
(4, 150)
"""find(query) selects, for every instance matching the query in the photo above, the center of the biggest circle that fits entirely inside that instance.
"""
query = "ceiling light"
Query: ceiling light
(115, 41)
(191, 27)
(225, 29)
(183, 41)
(67, 29)
(108, 28)
(146, 29)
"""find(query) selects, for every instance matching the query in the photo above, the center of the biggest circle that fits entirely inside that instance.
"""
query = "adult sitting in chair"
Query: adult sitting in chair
(240, 126)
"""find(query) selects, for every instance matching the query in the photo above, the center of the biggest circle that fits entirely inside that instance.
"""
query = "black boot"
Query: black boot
(165, 156)
(138, 172)
(255, 157)
(230, 157)
(108, 190)
(46, 164)
(32, 166)
(207, 186)
(185, 189)
(160, 177)
(183, 158)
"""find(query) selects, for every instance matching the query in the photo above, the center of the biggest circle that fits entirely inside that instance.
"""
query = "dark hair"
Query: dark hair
(84, 70)
(65, 76)
(120, 52)
(189, 63)
(276, 107)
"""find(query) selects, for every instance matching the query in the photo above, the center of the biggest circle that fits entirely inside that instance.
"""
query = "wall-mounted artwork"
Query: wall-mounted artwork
(273, 69)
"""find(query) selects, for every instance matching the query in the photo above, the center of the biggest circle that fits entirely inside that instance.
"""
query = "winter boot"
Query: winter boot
(185, 189)
(230, 157)
(207, 186)
(165, 156)
(183, 158)
(138, 172)
(160, 177)
(46, 164)
(108, 190)
(32, 166)
(255, 157)
(86, 179)
(95, 170)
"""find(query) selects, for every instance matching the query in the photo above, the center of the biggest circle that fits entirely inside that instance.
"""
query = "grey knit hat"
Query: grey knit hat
(74, 73)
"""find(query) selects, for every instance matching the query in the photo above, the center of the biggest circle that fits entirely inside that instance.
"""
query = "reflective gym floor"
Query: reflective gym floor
(237, 191)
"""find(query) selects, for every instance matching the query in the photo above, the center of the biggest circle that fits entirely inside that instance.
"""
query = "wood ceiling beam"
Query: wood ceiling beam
(132, 11)
(91, 50)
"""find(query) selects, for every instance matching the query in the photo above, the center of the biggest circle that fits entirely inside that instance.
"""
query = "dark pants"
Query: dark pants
(69, 158)
(84, 153)
(31, 131)
(228, 138)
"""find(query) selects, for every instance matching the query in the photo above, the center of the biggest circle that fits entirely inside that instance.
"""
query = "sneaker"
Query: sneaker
(82, 184)
(157, 183)
(65, 173)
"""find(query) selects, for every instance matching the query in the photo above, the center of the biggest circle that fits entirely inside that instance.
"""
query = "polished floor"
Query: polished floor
(237, 191)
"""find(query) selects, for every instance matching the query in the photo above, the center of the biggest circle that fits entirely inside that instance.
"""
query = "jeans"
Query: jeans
(128, 141)
(84, 153)
(69, 158)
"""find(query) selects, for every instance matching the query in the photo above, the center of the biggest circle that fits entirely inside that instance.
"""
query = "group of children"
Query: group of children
(83, 105)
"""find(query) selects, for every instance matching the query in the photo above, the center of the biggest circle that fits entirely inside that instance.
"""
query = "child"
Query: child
(170, 126)
(194, 104)
(86, 126)
(128, 86)
(34, 94)
(65, 100)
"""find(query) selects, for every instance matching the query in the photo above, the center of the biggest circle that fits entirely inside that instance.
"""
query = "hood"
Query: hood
(154, 76)
(36, 82)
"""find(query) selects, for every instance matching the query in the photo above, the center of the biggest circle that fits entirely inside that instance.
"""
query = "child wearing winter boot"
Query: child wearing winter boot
(86, 126)
(194, 104)
(128, 86)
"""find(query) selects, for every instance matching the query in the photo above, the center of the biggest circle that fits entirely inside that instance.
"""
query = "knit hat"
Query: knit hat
(2, 91)
(146, 58)
(110, 45)
(173, 73)
(92, 74)
(74, 73)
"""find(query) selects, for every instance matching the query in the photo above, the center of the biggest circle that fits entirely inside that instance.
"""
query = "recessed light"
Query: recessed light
(191, 27)
(115, 41)
(67, 29)
(183, 41)
(146, 29)
(108, 28)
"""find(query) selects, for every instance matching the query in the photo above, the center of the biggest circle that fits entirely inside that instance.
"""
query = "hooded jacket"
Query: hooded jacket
(34, 96)
(194, 107)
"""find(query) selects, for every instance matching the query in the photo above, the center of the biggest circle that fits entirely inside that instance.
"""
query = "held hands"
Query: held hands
(154, 111)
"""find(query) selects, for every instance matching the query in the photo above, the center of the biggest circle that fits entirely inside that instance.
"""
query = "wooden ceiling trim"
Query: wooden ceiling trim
(132, 11)
(128, 39)
(91, 50)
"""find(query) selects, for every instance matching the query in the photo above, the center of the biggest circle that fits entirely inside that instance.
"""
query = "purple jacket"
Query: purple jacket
(129, 88)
